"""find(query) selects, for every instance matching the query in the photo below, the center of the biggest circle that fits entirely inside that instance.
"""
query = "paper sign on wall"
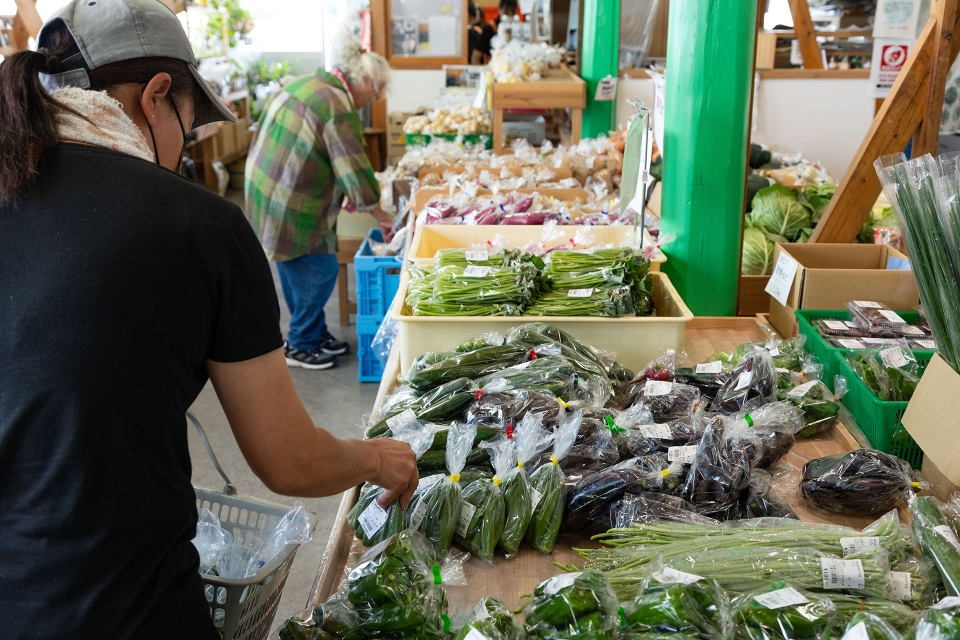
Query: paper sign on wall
(659, 93)
(782, 279)
(606, 89)
(896, 19)
(889, 58)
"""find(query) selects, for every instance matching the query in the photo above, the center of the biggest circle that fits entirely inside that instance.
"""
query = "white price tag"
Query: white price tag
(856, 545)
(947, 603)
(372, 519)
(947, 532)
(579, 293)
(710, 367)
(927, 344)
(671, 576)
(466, 515)
(535, 498)
(657, 388)
(474, 271)
(746, 377)
(781, 282)
(558, 583)
(418, 515)
(480, 611)
(774, 352)
(893, 357)
(683, 455)
(867, 304)
(878, 341)
(657, 431)
(857, 632)
(429, 481)
(801, 390)
(473, 634)
(892, 316)
(899, 582)
(850, 343)
(788, 597)
(606, 89)
(401, 419)
(374, 551)
(842, 574)
(836, 325)
(477, 256)
(911, 330)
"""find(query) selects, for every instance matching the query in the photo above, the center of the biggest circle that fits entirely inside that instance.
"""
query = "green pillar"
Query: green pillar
(709, 80)
(600, 57)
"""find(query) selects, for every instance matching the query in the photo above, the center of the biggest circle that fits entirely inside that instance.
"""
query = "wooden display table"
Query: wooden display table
(558, 89)
(508, 579)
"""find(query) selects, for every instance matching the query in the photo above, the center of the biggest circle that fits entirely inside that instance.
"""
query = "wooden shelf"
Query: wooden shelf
(839, 33)
(559, 88)
(813, 74)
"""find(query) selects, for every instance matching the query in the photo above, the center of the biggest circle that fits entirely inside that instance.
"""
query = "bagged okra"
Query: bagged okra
(548, 482)
(434, 508)
(782, 612)
(372, 522)
(529, 439)
(482, 512)
(674, 602)
(866, 626)
(572, 605)
(939, 622)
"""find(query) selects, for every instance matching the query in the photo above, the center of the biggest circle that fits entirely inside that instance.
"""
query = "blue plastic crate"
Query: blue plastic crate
(378, 279)
(369, 365)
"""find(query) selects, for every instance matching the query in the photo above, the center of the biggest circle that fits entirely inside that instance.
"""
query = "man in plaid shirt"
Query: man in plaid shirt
(307, 156)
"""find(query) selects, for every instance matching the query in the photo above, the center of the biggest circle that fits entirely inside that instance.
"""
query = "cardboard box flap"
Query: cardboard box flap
(932, 418)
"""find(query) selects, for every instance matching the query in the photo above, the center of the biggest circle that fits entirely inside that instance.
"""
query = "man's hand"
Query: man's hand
(397, 470)
(385, 222)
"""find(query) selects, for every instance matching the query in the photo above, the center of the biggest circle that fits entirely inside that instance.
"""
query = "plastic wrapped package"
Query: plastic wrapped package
(758, 500)
(483, 512)
(754, 379)
(548, 482)
(608, 302)
(839, 328)
(899, 616)
(572, 605)
(601, 278)
(441, 368)
(498, 285)
(435, 506)
(891, 372)
(549, 373)
(488, 339)
(668, 401)
(383, 341)
(938, 540)
(491, 609)
(866, 626)
(720, 470)
(871, 315)
(487, 256)
(635, 509)
(670, 602)
(774, 423)
(818, 404)
(333, 619)
(529, 438)
(783, 612)
(210, 539)
(703, 378)
(860, 482)
(537, 334)
(444, 402)
(939, 622)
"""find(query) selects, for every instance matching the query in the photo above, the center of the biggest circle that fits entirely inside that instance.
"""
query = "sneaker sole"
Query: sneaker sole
(313, 367)
(336, 352)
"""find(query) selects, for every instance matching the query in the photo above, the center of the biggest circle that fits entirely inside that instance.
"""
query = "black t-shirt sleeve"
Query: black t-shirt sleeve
(484, 41)
(246, 321)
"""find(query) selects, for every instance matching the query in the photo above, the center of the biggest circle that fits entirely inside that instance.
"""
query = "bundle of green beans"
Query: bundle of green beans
(422, 280)
(478, 257)
(900, 616)
(937, 539)
(505, 285)
(605, 302)
(572, 261)
(589, 279)
(430, 307)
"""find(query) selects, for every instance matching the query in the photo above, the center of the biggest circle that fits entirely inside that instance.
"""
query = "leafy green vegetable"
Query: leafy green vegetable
(757, 253)
(780, 213)
(818, 197)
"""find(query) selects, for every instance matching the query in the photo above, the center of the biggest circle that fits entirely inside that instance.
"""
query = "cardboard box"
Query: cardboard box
(932, 421)
(829, 276)
(940, 485)
(396, 140)
(752, 298)
(532, 128)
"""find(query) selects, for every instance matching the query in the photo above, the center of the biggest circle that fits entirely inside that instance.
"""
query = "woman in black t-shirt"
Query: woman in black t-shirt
(123, 289)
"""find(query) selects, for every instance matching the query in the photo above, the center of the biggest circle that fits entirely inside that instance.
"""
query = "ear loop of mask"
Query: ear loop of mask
(156, 151)
(183, 147)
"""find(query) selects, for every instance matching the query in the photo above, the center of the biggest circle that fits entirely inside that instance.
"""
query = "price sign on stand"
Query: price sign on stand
(606, 89)
(636, 165)
(782, 279)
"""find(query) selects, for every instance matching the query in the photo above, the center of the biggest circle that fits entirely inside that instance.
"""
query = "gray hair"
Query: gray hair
(359, 65)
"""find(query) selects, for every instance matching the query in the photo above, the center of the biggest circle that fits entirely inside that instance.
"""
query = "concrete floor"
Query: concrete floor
(320, 391)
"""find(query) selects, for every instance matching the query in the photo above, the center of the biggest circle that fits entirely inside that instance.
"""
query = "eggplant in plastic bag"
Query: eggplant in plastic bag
(667, 401)
(547, 482)
(757, 501)
(755, 378)
(720, 471)
(646, 508)
(861, 482)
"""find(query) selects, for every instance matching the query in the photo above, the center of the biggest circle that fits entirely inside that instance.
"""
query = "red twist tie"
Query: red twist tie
(509, 432)
(533, 354)
(479, 393)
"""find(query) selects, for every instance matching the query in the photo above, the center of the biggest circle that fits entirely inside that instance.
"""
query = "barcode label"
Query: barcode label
(746, 378)
(892, 316)
(910, 330)
(899, 583)
(774, 352)
(401, 419)
(372, 519)
(657, 431)
(477, 256)
(801, 390)
(473, 634)
(879, 341)
(842, 574)
(474, 271)
(836, 325)
(466, 515)
(556, 584)
(683, 455)
(788, 597)
(893, 357)
(947, 532)
(866, 304)
(710, 367)
(856, 545)
(657, 388)
(669, 575)
(927, 344)
(579, 293)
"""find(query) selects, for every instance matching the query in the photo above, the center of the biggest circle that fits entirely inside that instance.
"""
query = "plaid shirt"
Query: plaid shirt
(308, 154)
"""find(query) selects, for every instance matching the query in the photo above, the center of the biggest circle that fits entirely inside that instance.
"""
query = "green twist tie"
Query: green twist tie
(623, 617)
(576, 379)
(446, 623)
(436, 574)
(749, 420)
(612, 426)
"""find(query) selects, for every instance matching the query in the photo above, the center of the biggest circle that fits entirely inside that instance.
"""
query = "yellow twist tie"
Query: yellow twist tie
(496, 481)
(455, 478)
(562, 403)
(665, 473)
(917, 485)
(519, 464)
(554, 460)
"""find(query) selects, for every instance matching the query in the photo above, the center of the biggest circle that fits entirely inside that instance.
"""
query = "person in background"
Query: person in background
(507, 8)
(307, 156)
(474, 34)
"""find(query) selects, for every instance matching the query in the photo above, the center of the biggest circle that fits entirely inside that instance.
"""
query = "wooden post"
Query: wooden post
(378, 44)
(31, 20)
(926, 139)
(806, 36)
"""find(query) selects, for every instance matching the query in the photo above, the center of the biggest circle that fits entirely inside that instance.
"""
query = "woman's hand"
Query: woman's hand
(385, 222)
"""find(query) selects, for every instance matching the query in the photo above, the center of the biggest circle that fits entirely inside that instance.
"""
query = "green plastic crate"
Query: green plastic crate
(423, 139)
(881, 421)
(825, 352)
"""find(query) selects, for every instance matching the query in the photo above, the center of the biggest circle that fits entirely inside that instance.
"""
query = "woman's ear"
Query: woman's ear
(155, 93)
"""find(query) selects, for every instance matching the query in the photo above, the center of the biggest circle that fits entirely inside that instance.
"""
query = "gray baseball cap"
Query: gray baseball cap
(108, 31)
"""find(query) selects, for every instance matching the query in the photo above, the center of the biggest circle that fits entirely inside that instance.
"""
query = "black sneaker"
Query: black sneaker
(308, 359)
(332, 346)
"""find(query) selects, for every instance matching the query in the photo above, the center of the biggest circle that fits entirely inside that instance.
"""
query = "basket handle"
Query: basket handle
(228, 488)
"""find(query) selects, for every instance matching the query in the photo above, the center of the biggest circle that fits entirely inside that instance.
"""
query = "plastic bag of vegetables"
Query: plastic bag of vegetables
(760, 501)
(939, 622)
(491, 618)
(434, 508)
(483, 511)
(635, 509)
(938, 540)
(529, 439)
(372, 521)
(548, 373)
(754, 379)
(667, 401)
(572, 605)
(548, 482)
(536, 334)
(333, 619)
(674, 602)
(782, 612)
(891, 372)
(445, 402)
(818, 404)
(434, 369)
(720, 470)
(866, 626)
(860, 482)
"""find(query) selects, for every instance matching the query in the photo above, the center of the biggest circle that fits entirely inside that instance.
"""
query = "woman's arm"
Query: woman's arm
(287, 452)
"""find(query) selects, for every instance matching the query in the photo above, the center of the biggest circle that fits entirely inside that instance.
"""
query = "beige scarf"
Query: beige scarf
(106, 124)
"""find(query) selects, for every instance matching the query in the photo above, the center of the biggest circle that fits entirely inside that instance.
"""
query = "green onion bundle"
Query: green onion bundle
(609, 302)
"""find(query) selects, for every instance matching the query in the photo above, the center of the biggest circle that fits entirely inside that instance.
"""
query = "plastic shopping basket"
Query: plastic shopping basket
(244, 609)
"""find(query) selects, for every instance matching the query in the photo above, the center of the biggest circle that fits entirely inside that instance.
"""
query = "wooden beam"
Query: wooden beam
(894, 125)
(806, 36)
(27, 12)
(378, 44)
(926, 139)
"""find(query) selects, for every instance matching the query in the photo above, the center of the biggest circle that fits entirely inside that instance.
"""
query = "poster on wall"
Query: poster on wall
(896, 19)
(889, 58)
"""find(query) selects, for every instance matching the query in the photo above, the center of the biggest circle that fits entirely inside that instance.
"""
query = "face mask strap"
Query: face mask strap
(156, 151)
(183, 132)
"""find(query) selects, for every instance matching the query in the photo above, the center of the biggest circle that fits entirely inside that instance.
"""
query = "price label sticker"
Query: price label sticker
(480, 611)
(473, 271)
(899, 582)
(836, 325)
(947, 603)
(374, 551)
(535, 498)
(556, 584)
(856, 545)
(477, 256)
(842, 574)
(669, 575)
(372, 519)
(473, 634)
(857, 632)
(781, 282)
(746, 377)
(892, 316)
(801, 390)
(947, 532)
(656, 431)
(429, 481)
(893, 357)
(868, 304)
(579, 293)
(401, 419)
(850, 343)
(927, 344)
(878, 341)
(911, 330)
(418, 515)
(710, 367)
(657, 388)
(606, 89)
(774, 352)
(788, 597)
(683, 455)
(466, 515)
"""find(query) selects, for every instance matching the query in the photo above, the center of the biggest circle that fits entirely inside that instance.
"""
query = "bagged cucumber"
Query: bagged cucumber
(548, 482)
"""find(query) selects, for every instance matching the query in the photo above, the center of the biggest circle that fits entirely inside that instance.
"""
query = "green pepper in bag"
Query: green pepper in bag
(866, 626)
(674, 602)
(548, 481)
(529, 439)
(572, 605)
(492, 609)
(483, 511)
(781, 612)
(939, 622)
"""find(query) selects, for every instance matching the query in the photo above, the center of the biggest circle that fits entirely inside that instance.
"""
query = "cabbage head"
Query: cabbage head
(779, 212)
(818, 197)
(757, 253)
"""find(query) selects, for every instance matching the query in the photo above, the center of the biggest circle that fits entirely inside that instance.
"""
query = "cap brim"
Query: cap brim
(209, 107)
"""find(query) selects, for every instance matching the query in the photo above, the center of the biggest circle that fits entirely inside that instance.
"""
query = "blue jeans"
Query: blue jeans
(307, 284)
